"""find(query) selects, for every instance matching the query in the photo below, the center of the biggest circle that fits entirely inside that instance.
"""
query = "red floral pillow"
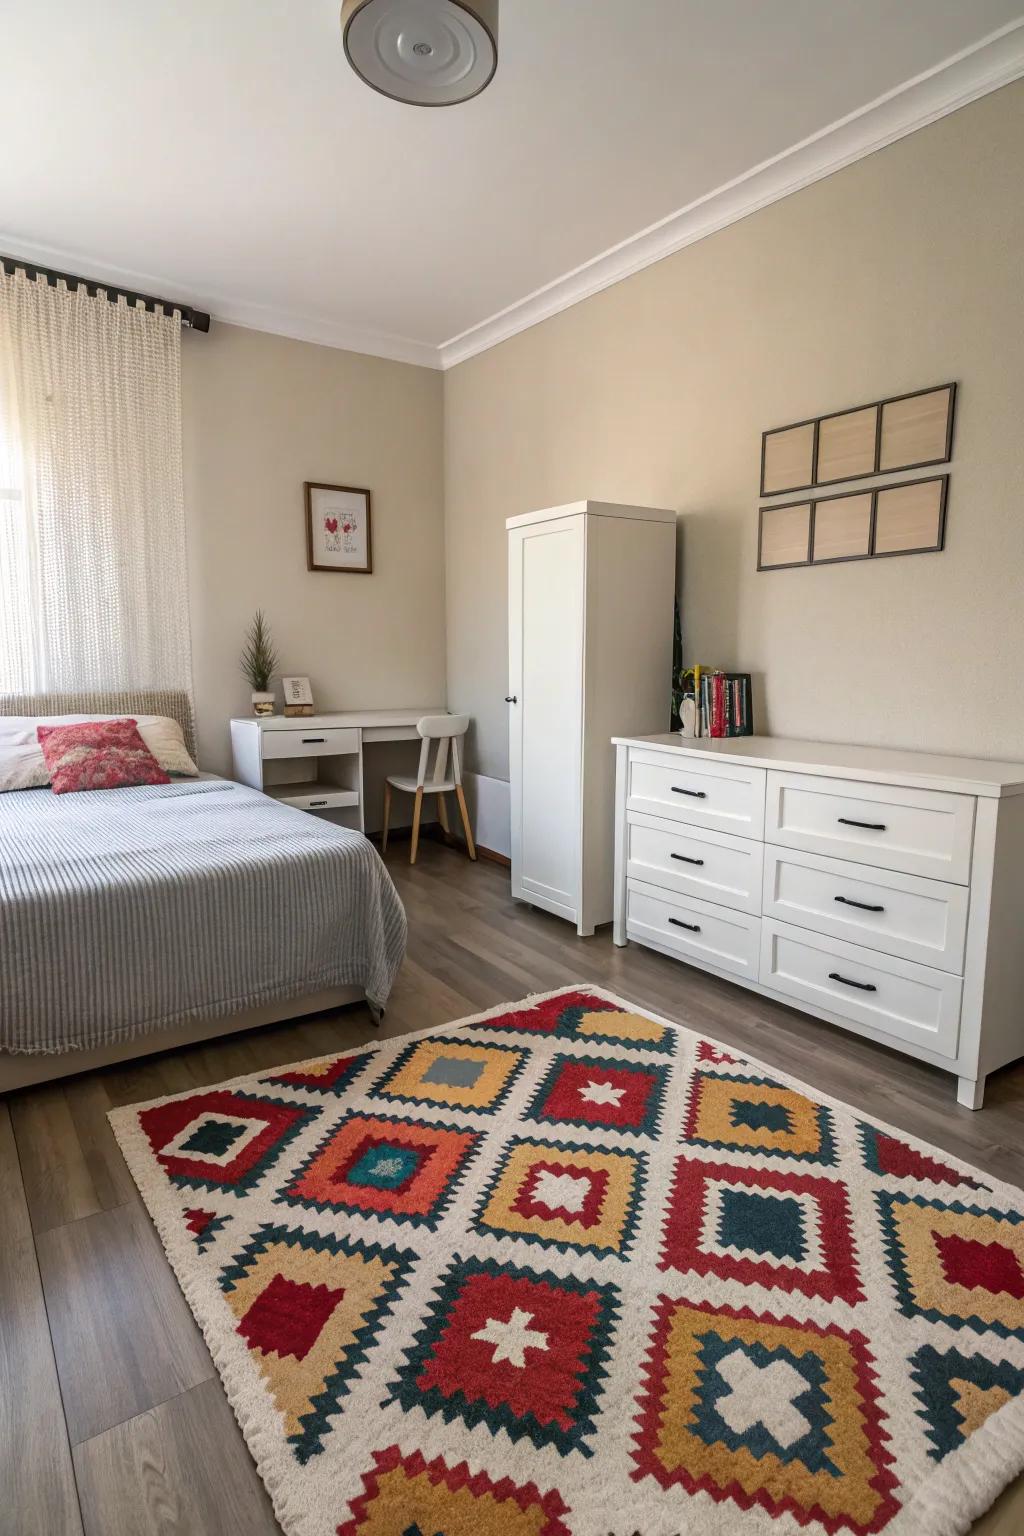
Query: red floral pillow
(102, 754)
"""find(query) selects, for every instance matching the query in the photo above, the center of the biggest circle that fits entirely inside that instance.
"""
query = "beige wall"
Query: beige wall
(261, 415)
(904, 270)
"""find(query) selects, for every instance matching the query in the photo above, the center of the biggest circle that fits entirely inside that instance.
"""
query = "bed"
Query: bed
(132, 920)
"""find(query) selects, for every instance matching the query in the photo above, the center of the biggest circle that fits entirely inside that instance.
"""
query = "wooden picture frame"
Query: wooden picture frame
(916, 430)
(785, 534)
(298, 696)
(788, 456)
(338, 528)
(847, 447)
(905, 514)
(842, 527)
(909, 431)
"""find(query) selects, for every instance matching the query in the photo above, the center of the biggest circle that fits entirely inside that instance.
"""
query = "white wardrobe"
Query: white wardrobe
(590, 657)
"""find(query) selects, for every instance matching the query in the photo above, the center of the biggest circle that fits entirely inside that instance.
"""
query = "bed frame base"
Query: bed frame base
(22, 1071)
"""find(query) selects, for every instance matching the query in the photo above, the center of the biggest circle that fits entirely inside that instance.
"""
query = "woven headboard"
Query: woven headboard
(172, 702)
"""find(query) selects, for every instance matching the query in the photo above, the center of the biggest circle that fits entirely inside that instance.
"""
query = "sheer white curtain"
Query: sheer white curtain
(93, 576)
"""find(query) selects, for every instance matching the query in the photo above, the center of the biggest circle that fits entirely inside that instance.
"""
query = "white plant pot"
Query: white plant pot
(263, 703)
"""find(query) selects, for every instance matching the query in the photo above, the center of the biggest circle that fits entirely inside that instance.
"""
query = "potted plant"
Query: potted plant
(259, 662)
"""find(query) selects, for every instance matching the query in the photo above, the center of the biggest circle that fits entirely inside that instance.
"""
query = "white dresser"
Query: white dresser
(880, 890)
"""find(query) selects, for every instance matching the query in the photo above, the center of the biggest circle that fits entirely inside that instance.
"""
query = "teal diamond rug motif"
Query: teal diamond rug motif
(762, 1224)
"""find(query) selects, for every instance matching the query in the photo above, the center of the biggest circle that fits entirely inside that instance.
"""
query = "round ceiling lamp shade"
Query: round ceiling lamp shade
(429, 53)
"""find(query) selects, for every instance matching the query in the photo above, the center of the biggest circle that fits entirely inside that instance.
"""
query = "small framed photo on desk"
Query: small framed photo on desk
(298, 696)
(338, 529)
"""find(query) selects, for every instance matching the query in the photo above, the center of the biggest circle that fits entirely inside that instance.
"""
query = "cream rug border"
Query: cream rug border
(958, 1491)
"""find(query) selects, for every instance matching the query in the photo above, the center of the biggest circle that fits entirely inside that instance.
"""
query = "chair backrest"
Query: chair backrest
(443, 729)
(433, 727)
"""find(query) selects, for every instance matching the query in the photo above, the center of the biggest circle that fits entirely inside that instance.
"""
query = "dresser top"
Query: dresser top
(880, 765)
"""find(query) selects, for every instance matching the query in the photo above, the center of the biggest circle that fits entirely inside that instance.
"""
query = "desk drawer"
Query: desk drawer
(694, 930)
(697, 790)
(917, 831)
(908, 1002)
(922, 920)
(693, 861)
(310, 741)
(313, 797)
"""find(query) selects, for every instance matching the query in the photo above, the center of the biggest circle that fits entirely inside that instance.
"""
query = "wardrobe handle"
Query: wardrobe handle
(684, 858)
(677, 922)
(865, 906)
(869, 826)
(510, 698)
(862, 986)
(695, 794)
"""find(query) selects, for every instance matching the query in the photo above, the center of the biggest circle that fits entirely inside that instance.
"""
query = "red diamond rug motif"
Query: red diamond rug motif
(568, 1269)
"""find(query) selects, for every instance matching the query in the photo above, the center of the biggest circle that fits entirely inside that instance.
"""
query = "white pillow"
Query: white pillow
(23, 766)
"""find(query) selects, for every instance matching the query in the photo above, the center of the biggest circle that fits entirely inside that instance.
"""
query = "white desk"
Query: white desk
(316, 762)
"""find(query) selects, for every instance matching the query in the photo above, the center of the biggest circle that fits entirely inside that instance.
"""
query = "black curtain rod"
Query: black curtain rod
(195, 319)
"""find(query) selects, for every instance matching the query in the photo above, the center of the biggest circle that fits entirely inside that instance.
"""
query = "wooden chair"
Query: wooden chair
(445, 730)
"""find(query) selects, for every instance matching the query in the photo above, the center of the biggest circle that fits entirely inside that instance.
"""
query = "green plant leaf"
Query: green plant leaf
(259, 656)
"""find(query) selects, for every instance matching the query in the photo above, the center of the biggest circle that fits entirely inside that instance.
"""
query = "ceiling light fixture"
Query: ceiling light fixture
(429, 53)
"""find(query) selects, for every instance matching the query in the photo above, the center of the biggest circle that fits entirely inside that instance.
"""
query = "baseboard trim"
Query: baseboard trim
(495, 858)
(435, 833)
(482, 853)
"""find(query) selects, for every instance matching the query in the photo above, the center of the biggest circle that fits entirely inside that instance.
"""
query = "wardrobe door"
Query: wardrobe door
(546, 570)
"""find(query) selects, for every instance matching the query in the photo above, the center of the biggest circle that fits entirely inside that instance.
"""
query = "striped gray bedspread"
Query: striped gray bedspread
(126, 911)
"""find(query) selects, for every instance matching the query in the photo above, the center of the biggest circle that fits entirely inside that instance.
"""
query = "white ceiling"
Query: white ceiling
(223, 152)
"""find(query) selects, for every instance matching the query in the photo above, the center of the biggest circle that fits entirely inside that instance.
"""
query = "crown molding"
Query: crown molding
(255, 317)
(328, 333)
(994, 61)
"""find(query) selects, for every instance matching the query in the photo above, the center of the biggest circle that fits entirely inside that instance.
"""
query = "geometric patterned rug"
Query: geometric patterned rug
(567, 1269)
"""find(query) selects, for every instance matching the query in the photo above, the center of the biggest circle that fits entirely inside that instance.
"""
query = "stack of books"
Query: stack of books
(716, 703)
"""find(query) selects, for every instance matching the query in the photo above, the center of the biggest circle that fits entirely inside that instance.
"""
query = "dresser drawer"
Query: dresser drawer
(908, 1002)
(696, 790)
(694, 930)
(917, 831)
(310, 741)
(922, 920)
(693, 861)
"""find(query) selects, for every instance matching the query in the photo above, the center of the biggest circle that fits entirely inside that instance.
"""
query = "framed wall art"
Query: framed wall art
(902, 432)
(298, 695)
(908, 518)
(784, 536)
(338, 528)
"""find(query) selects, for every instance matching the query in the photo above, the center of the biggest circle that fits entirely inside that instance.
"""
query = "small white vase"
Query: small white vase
(263, 703)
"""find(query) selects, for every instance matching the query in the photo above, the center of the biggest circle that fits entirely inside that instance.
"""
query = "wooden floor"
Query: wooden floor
(112, 1417)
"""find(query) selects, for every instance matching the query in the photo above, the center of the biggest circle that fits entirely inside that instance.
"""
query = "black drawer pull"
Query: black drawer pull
(684, 858)
(869, 826)
(314, 741)
(865, 906)
(677, 922)
(862, 986)
(313, 804)
(695, 794)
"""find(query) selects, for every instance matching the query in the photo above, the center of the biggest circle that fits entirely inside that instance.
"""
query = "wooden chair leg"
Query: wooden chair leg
(442, 815)
(387, 816)
(460, 797)
(416, 826)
